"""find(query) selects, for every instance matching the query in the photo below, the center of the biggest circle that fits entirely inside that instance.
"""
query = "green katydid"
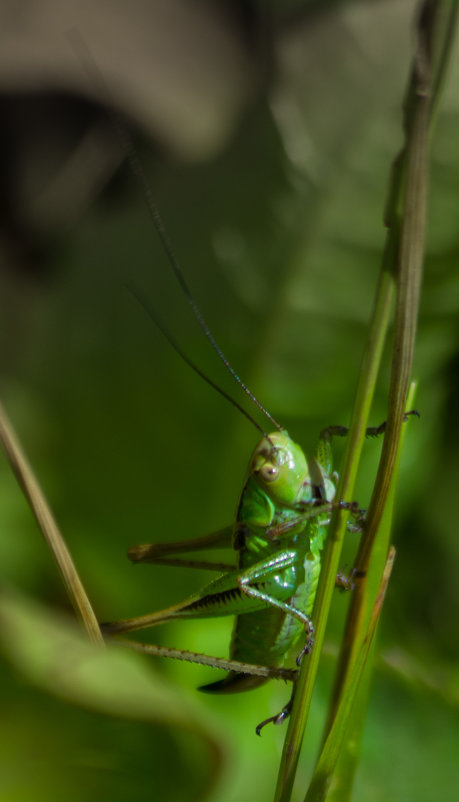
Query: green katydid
(278, 535)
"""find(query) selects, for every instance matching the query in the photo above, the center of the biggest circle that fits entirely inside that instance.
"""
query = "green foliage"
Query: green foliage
(131, 447)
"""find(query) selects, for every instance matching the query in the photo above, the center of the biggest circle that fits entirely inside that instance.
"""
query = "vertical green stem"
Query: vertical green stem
(410, 260)
(309, 667)
(403, 256)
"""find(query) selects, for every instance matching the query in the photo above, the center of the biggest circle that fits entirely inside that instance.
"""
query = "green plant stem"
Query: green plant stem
(330, 752)
(347, 713)
(44, 517)
(308, 672)
(365, 391)
(412, 164)
(364, 396)
(403, 256)
(422, 95)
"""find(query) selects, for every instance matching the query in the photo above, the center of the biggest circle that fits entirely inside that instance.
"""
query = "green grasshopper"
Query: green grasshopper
(278, 536)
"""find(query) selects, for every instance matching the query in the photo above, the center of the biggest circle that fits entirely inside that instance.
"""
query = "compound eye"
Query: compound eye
(269, 472)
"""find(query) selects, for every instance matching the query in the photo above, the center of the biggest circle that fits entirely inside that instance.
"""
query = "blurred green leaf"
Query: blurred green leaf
(53, 654)
(280, 238)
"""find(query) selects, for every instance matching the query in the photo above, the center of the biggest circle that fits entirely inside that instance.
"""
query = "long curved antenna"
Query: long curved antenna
(139, 173)
(173, 342)
(127, 144)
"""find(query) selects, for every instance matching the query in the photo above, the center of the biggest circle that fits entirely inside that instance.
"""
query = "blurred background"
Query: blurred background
(267, 131)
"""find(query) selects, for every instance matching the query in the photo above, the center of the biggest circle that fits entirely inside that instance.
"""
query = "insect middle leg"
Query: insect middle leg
(248, 581)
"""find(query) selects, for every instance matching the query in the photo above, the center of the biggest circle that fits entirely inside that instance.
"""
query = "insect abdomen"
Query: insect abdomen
(257, 639)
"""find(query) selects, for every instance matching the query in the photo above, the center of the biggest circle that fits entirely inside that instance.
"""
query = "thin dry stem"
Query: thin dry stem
(45, 519)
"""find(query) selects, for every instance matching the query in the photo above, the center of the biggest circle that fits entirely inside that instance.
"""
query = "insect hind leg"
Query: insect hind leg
(279, 718)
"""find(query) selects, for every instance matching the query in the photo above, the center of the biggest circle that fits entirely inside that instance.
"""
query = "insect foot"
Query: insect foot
(375, 431)
(279, 719)
(307, 648)
(345, 582)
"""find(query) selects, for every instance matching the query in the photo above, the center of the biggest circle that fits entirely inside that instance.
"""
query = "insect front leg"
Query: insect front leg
(326, 436)
(334, 430)
(375, 431)
(308, 511)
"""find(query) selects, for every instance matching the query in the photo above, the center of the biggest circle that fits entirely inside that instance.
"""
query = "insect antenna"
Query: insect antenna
(175, 345)
(137, 169)
(129, 149)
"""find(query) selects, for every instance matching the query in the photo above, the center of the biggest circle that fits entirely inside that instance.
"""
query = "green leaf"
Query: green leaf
(49, 651)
